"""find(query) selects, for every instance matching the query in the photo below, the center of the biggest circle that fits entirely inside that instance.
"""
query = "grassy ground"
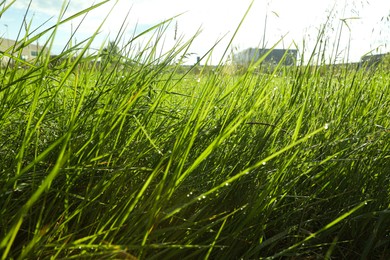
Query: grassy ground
(159, 161)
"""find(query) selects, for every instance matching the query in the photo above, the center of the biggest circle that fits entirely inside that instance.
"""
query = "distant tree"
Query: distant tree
(111, 53)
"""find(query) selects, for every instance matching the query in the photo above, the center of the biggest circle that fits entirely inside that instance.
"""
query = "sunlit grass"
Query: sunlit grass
(145, 158)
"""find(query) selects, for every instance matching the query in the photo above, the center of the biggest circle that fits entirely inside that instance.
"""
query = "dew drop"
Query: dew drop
(326, 126)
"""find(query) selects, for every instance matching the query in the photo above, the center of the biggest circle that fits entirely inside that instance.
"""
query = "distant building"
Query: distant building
(29, 52)
(274, 57)
(372, 60)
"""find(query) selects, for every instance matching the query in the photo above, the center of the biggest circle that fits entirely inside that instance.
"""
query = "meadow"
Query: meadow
(135, 156)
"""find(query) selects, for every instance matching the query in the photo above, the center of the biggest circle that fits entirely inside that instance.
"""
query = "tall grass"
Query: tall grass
(150, 159)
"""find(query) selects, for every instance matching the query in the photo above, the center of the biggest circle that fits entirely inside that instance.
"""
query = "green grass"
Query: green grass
(150, 159)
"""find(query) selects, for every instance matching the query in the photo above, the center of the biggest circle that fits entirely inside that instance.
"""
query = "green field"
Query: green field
(140, 157)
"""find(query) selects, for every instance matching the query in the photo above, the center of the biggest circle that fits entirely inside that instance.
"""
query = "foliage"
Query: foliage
(163, 161)
(111, 53)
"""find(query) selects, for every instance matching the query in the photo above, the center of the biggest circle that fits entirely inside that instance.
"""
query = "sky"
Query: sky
(357, 26)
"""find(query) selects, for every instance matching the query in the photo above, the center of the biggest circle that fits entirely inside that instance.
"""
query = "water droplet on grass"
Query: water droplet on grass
(326, 126)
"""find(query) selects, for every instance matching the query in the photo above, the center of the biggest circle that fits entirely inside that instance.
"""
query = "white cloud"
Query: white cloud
(52, 8)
